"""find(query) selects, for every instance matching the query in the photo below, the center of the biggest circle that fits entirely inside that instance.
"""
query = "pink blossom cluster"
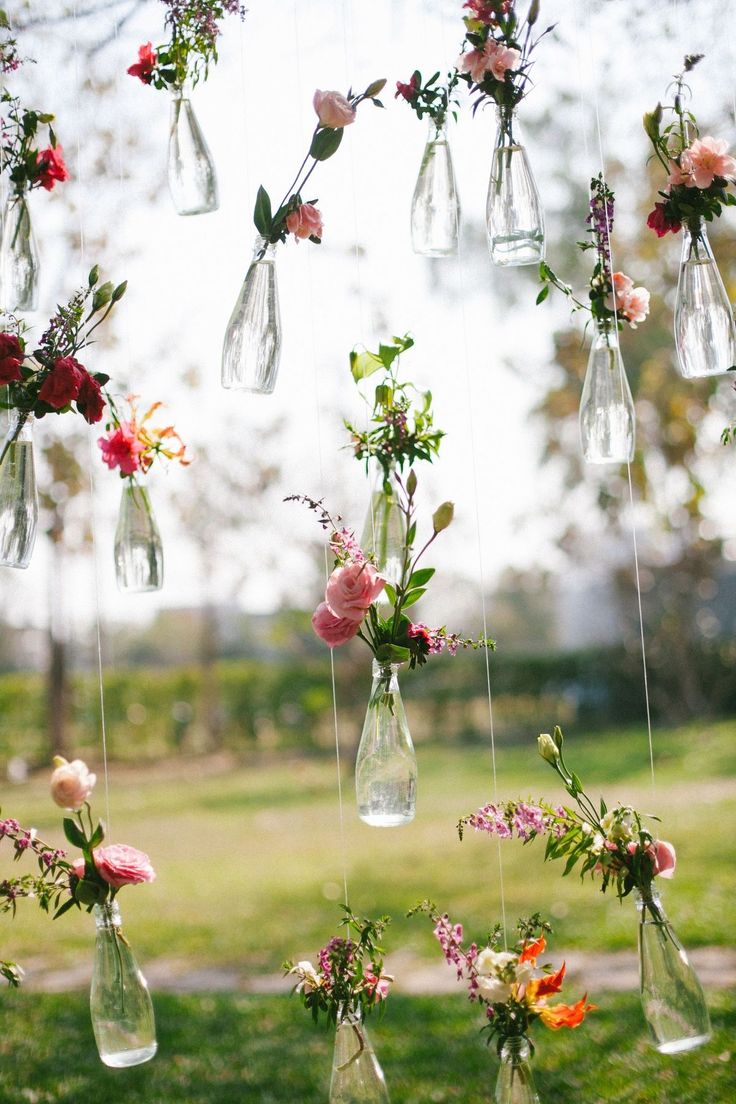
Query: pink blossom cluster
(631, 303)
(345, 547)
(700, 164)
(520, 817)
(493, 58)
(450, 938)
(351, 589)
(487, 11)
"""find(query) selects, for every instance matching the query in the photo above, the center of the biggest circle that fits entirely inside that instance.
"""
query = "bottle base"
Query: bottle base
(385, 820)
(679, 1046)
(124, 1058)
(249, 390)
(423, 251)
(516, 250)
(15, 564)
(197, 210)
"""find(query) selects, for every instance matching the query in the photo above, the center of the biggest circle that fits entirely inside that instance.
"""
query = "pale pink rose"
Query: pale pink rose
(682, 173)
(333, 630)
(71, 783)
(708, 159)
(474, 62)
(501, 59)
(305, 222)
(333, 110)
(664, 858)
(78, 867)
(635, 306)
(120, 865)
(351, 590)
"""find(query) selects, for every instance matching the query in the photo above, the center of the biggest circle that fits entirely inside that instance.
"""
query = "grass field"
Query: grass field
(249, 857)
(218, 1049)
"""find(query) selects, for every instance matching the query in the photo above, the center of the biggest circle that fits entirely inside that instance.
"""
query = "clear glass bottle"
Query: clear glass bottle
(18, 493)
(19, 264)
(515, 1083)
(384, 529)
(671, 994)
(357, 1078)
(386, 766)
(705, 336)
(435, 207)
(607, 420)
(139, 553)
(191, 170)
(119, 1001)
(514, 215)
(252, 346)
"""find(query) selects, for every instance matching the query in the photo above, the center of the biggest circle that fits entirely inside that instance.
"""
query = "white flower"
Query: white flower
(493, 990)
(548, 748)
(597, 845)
(619, 825)
(493, 962)
(524, 971)
(309, 979)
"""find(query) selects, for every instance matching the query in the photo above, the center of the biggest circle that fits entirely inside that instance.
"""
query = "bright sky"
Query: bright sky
(481, 345)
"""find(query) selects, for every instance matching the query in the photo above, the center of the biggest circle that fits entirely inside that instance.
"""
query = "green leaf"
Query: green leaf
(262, 213)
(325, 143)
(97, 836)
(419, 578)
(390, 593)
(388, 354)
(391, 653)
(364, 364)
(543, 294)
(70, 904)
(413, 596)
(73, 833)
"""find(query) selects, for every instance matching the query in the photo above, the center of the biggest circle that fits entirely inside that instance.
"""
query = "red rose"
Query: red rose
(660, 223)
(90, 402)
(51, 167)
(63, 382)
(408, 91)
(143, 69)
(11, 358)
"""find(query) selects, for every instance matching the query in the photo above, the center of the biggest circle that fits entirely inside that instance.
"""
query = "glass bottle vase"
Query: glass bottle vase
(386, 766)
(252, 346)
(119, 1001)
(514, 215)
(357, 1078)
(671, 994)
(139, 553)
(607, 417)
(705, 336)
(19, 264)
(384, 529)
(515, 1083)
(191, 170)
(435, 207)
(18, 493)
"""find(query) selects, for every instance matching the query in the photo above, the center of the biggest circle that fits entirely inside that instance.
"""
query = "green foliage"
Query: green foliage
(430, 97)
(19, 144)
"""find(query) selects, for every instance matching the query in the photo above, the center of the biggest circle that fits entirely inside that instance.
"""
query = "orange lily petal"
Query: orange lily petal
(552, 983)
(566, 1015)
(533, 950)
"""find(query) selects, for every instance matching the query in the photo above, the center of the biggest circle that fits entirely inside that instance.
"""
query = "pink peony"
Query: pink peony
(71, 783)
(305, 222)
(120, 865)
(706, 159)
(333, 110)
(51, 167)
(665, 859)
(333, 630)
(351, 590)
(501, 59)
(121, 449)
(62, 383)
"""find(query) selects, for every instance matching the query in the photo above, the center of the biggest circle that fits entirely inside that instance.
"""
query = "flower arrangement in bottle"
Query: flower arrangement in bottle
(606, 407)
(700, 176)
(185, 59)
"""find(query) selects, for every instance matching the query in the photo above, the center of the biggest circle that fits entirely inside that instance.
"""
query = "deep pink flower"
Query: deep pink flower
(121, 449)
(120, 865)
(379, 985)
(51, 167)
(305, 222)
(143, 69)
(658, 221)
(90, 402)
(408, 91)
(333, 630)
(664, 858)
(63, 382)
(352, 589)
(11, 358)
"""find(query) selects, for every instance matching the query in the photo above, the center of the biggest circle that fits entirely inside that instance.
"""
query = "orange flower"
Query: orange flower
(533, 950)
(566, 1015)
(539, 988)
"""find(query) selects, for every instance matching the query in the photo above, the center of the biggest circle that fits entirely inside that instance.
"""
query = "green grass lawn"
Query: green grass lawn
(249, 857)
(223, 1049)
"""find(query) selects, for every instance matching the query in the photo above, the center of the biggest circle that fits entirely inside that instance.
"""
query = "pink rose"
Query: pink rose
(62, 383)
(71, 783)
(664, 858)
(501, 59)
(635, 306)
(120, 865)
(333, 110)
(351, 590)
(305, 222)
(78, 868)
(333, 630)
(706, 159)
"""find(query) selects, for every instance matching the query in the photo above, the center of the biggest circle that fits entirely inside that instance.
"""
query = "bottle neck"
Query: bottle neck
(107, 916)
(263, 250)
(437, 128)
(508, 133)
(386, 672)
(515, 1049)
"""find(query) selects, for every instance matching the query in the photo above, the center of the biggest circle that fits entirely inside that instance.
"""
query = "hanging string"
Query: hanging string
(634, 540)
(93, 519)
(320, 460)
(462, 274)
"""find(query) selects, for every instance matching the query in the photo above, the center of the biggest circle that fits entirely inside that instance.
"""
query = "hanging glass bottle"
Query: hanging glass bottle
(514, 215)
(386, 766)
(192, 177)
(435, 208)
(119, 1001)
(18, 257)
(606, 406)
(383, 532)
(357, 1078)
(18, 494)
(515, 1084)
(705, 336)
(252, 347)
(139, 554)
(671, 994)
